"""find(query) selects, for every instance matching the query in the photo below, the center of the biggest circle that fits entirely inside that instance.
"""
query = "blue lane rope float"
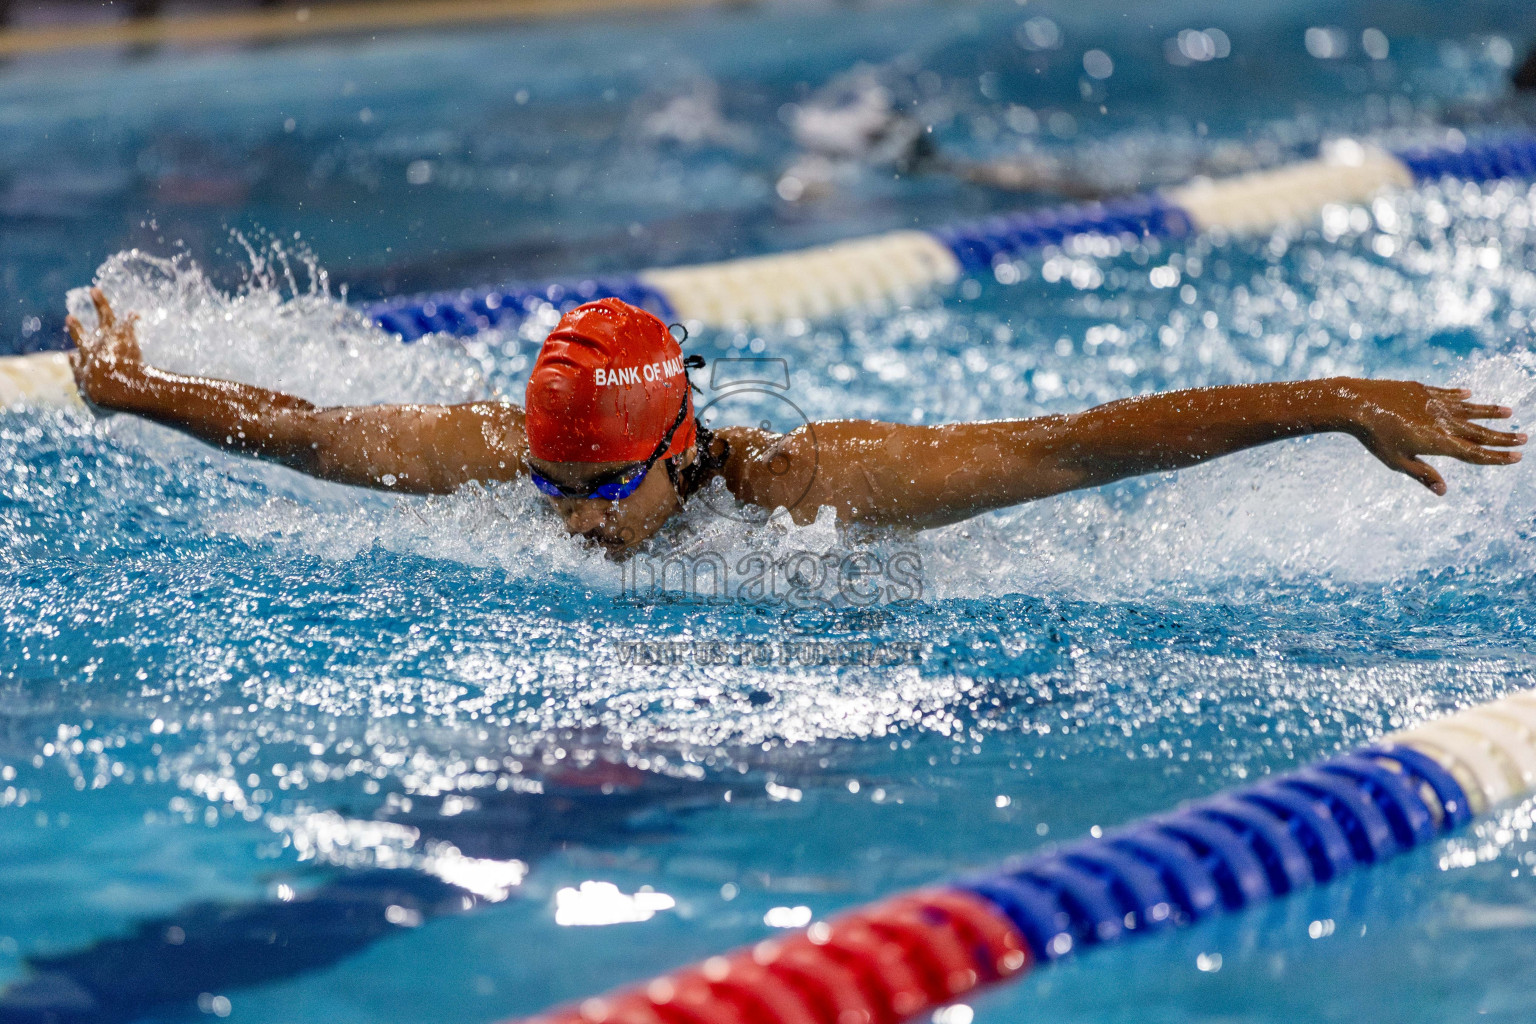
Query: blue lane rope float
(884, 268)
(901, 265)
(904, 956)
(473, 310)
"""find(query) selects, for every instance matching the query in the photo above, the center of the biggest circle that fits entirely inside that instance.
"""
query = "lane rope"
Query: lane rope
(912, 953)
(38, 380)
(887, 269)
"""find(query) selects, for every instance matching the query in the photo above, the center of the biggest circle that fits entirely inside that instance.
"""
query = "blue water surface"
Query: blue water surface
(278, 750)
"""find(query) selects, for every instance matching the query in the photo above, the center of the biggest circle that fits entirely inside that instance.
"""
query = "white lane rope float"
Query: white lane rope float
(880, 270)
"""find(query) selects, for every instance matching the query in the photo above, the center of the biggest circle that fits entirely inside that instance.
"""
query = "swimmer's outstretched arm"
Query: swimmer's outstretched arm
(895, 474)
(420, 449)
(1025, 174)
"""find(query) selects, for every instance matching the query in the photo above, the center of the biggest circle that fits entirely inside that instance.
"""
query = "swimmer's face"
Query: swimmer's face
(617, 526)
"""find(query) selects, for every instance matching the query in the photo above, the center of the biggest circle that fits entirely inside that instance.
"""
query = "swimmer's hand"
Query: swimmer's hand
(417, 449)
(106, 360)
(1399, 421)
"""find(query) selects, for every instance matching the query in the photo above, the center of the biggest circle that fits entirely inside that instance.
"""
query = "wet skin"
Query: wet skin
(882, 474)
(617, 526)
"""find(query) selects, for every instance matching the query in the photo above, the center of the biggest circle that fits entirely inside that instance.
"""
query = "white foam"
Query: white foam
(282, 329)
(1322, 507)
(1316, 508)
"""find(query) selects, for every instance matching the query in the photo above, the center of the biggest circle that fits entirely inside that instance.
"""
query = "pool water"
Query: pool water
(279, 750)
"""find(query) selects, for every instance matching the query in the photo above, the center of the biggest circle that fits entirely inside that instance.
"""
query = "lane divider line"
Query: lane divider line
(42, 379)
(887, 269)
(911, 953)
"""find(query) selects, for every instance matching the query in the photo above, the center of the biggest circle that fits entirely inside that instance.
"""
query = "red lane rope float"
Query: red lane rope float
(763, 998)
(997, 946)
(885, 974)
(833, 991)
(938, 959)
(876, 965)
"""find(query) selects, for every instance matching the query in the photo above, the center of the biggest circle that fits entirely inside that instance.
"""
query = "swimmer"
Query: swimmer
(1524, 78)
(855, 123)
(608, 434)
(1515, 107)
(852, 126)
(865, 120)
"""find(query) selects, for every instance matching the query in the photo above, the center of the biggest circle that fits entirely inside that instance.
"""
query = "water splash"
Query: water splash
(282, 328)
(1396, 289)
(407, 639)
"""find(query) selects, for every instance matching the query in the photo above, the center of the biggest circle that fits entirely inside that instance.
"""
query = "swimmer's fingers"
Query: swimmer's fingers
(77, 354)
(1472, 411)
(1479, 434)
(1420, 470)
(1451, 392)
(1468, 452)
(125, 343)
(104, 315)
(1467, 441)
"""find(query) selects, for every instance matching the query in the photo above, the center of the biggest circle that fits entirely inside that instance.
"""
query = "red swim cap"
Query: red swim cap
(606, 388)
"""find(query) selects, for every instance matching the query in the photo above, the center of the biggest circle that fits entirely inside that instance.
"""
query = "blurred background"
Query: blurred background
(450, 143)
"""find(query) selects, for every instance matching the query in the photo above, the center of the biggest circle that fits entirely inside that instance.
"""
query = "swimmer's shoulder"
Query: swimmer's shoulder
(762, 463)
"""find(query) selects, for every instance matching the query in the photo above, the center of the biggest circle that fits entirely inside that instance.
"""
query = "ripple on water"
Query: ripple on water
(229, 644)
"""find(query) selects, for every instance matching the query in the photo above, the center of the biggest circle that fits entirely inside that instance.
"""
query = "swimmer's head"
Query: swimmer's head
(607, 403)
(853, 120)
(1525, 75)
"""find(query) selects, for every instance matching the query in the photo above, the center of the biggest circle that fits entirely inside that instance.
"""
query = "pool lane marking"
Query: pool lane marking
(872, 273)
(909, 954)
(894, 267)
(1261, 200)
(323, 19)
(808, 283)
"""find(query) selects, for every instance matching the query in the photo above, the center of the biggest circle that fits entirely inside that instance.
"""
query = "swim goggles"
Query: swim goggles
(618, 484)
